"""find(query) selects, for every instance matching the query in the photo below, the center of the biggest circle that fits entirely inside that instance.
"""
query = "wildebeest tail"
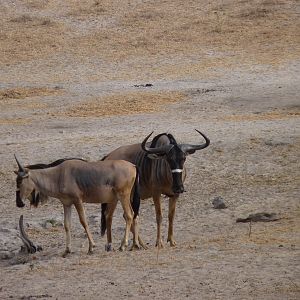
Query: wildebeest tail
(103, 218)
(136, 199)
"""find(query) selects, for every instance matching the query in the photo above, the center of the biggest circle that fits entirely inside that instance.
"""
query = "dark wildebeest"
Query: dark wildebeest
(162, 171)
(74, 182)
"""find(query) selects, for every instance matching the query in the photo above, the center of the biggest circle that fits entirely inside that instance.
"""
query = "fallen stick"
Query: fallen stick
(29, 245)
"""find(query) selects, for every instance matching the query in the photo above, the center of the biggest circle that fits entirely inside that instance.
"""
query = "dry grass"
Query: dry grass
(166, 38)
(17, 121)
(124, 104)
(273, 115)
(6, 95)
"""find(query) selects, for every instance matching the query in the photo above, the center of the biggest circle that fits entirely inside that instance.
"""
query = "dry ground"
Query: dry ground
(229, 68)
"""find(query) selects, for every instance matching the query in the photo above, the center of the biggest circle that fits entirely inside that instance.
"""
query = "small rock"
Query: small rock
(48, 225)
(218, 203)
(143, 85)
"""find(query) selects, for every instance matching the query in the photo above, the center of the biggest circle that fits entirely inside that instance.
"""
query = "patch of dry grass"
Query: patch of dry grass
(124, 104)
(17, 121)
(165, 38)
(25, 92)
(273, 115)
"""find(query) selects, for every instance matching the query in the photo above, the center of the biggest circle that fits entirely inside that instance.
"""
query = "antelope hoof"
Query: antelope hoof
(108, 248)
(90, 252)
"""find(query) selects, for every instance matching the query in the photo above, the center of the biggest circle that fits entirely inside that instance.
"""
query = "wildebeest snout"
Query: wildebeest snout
(178, 189)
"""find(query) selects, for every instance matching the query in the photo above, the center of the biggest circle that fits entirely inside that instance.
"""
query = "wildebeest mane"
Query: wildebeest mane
(53, 164)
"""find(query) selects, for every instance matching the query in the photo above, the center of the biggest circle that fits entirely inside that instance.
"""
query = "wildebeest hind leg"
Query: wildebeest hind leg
(140, 241)
(128, 214)
(81, 213)
(67, 224)
(109, 215)
(135, 231)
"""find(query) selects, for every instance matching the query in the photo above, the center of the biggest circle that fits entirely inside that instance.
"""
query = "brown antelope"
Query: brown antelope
(161, 170)
(74, 182)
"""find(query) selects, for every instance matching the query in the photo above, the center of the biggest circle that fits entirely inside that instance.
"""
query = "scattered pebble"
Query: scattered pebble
(218, 203)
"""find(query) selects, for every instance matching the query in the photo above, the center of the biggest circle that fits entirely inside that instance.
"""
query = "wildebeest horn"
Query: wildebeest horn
(187, 148)
(21, 169)
(30, 247)
(158, 150)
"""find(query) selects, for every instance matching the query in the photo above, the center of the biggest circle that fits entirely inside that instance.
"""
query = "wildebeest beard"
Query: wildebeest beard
(37, 198)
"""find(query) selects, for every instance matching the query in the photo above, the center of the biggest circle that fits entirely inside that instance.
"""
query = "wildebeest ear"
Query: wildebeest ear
(190, 152)
(22, 174)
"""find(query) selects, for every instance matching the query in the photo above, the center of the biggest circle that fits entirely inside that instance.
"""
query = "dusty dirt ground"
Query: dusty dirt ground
(228, 68)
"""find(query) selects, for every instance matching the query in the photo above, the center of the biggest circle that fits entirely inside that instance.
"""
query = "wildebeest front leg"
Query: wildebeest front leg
(172, 206)
(81, 213)
(158, 211)
(67, 224)
(109, 215)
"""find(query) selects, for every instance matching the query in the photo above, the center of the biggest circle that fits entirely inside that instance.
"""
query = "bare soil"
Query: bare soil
(71, 84)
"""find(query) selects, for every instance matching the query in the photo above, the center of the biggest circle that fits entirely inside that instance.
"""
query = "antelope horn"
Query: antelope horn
(192, 148)
(21, 168)
(158, 150)
(31, 248)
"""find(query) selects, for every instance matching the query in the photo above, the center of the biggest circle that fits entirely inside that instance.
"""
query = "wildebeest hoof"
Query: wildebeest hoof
(66, 253)
(122, 248)
(108, 247)
(135, 246)
(141, 242)
(159, 244)
(172, 243)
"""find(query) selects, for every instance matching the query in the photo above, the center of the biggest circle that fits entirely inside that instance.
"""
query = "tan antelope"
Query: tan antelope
(162, 172)
(74, 182)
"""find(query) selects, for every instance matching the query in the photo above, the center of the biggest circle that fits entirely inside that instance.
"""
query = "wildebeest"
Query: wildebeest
(162, 171)
(74, 182)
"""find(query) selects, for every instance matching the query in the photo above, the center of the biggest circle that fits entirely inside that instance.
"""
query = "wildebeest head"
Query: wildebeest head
(175, 155)
(25, 186)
